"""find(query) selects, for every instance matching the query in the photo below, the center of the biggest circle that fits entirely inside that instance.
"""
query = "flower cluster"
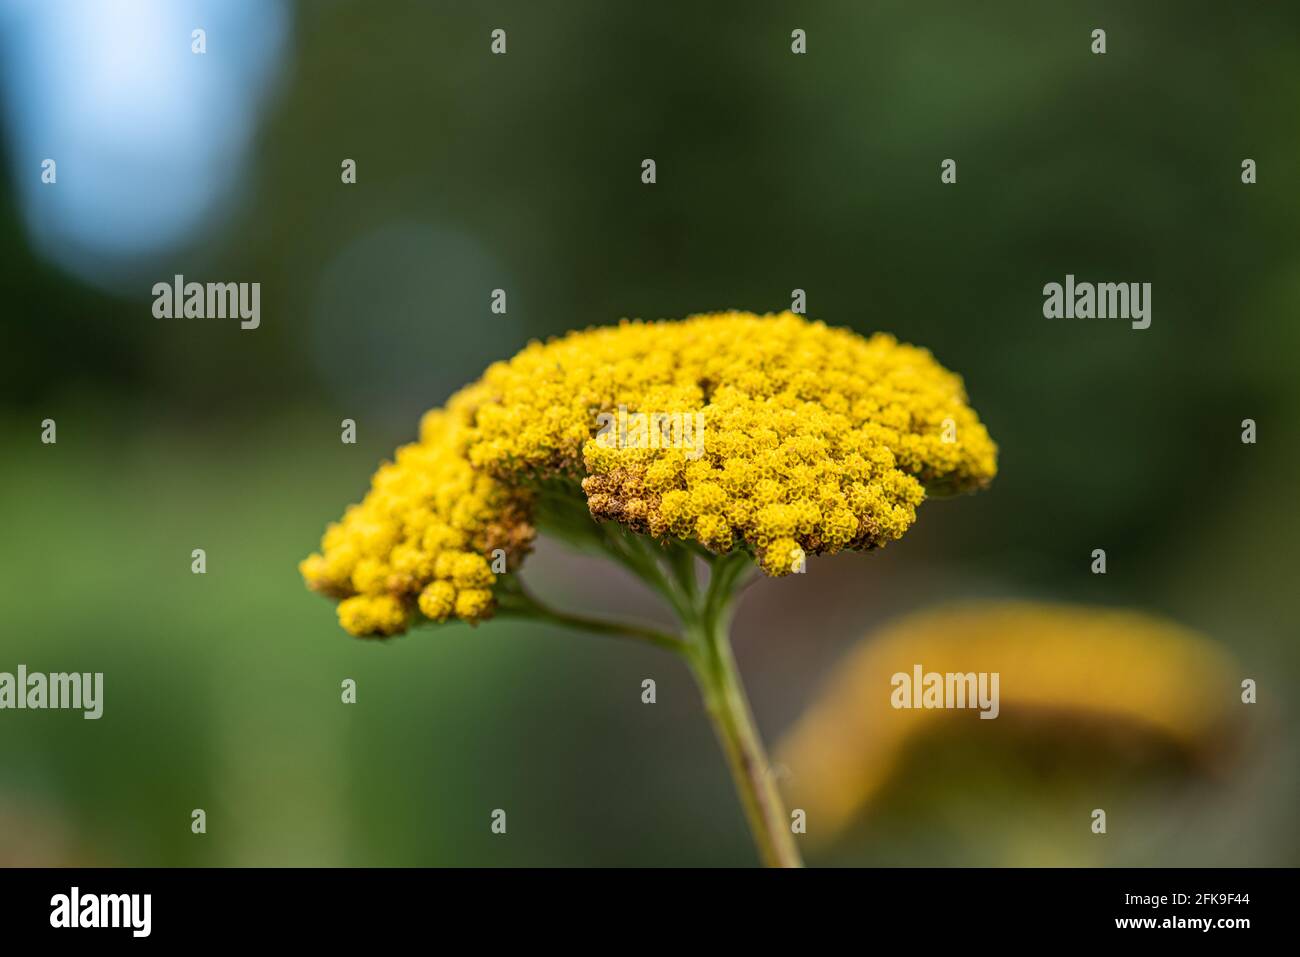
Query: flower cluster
(425, 536)
(815, 440)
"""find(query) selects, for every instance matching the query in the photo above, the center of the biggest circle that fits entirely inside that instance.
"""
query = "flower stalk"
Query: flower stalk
(714, 665)
(705, 644)
(518, 602)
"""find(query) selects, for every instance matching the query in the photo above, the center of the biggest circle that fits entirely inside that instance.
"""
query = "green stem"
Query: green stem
(642, 557)
(714, 665)
(522, 603)
(669, 569)
(682, 561)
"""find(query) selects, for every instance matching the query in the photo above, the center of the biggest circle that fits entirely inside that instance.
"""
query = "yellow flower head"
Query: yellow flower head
(425, 537)
(774, 434)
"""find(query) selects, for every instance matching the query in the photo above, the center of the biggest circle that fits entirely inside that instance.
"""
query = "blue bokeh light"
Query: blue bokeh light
(150, 138)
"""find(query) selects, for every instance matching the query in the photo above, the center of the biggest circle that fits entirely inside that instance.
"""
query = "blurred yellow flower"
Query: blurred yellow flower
(1124, 667)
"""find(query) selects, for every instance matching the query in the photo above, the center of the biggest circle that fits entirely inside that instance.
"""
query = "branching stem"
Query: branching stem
(705, 616)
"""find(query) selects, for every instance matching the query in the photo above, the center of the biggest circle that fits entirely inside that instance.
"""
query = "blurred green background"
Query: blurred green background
(522, 172)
